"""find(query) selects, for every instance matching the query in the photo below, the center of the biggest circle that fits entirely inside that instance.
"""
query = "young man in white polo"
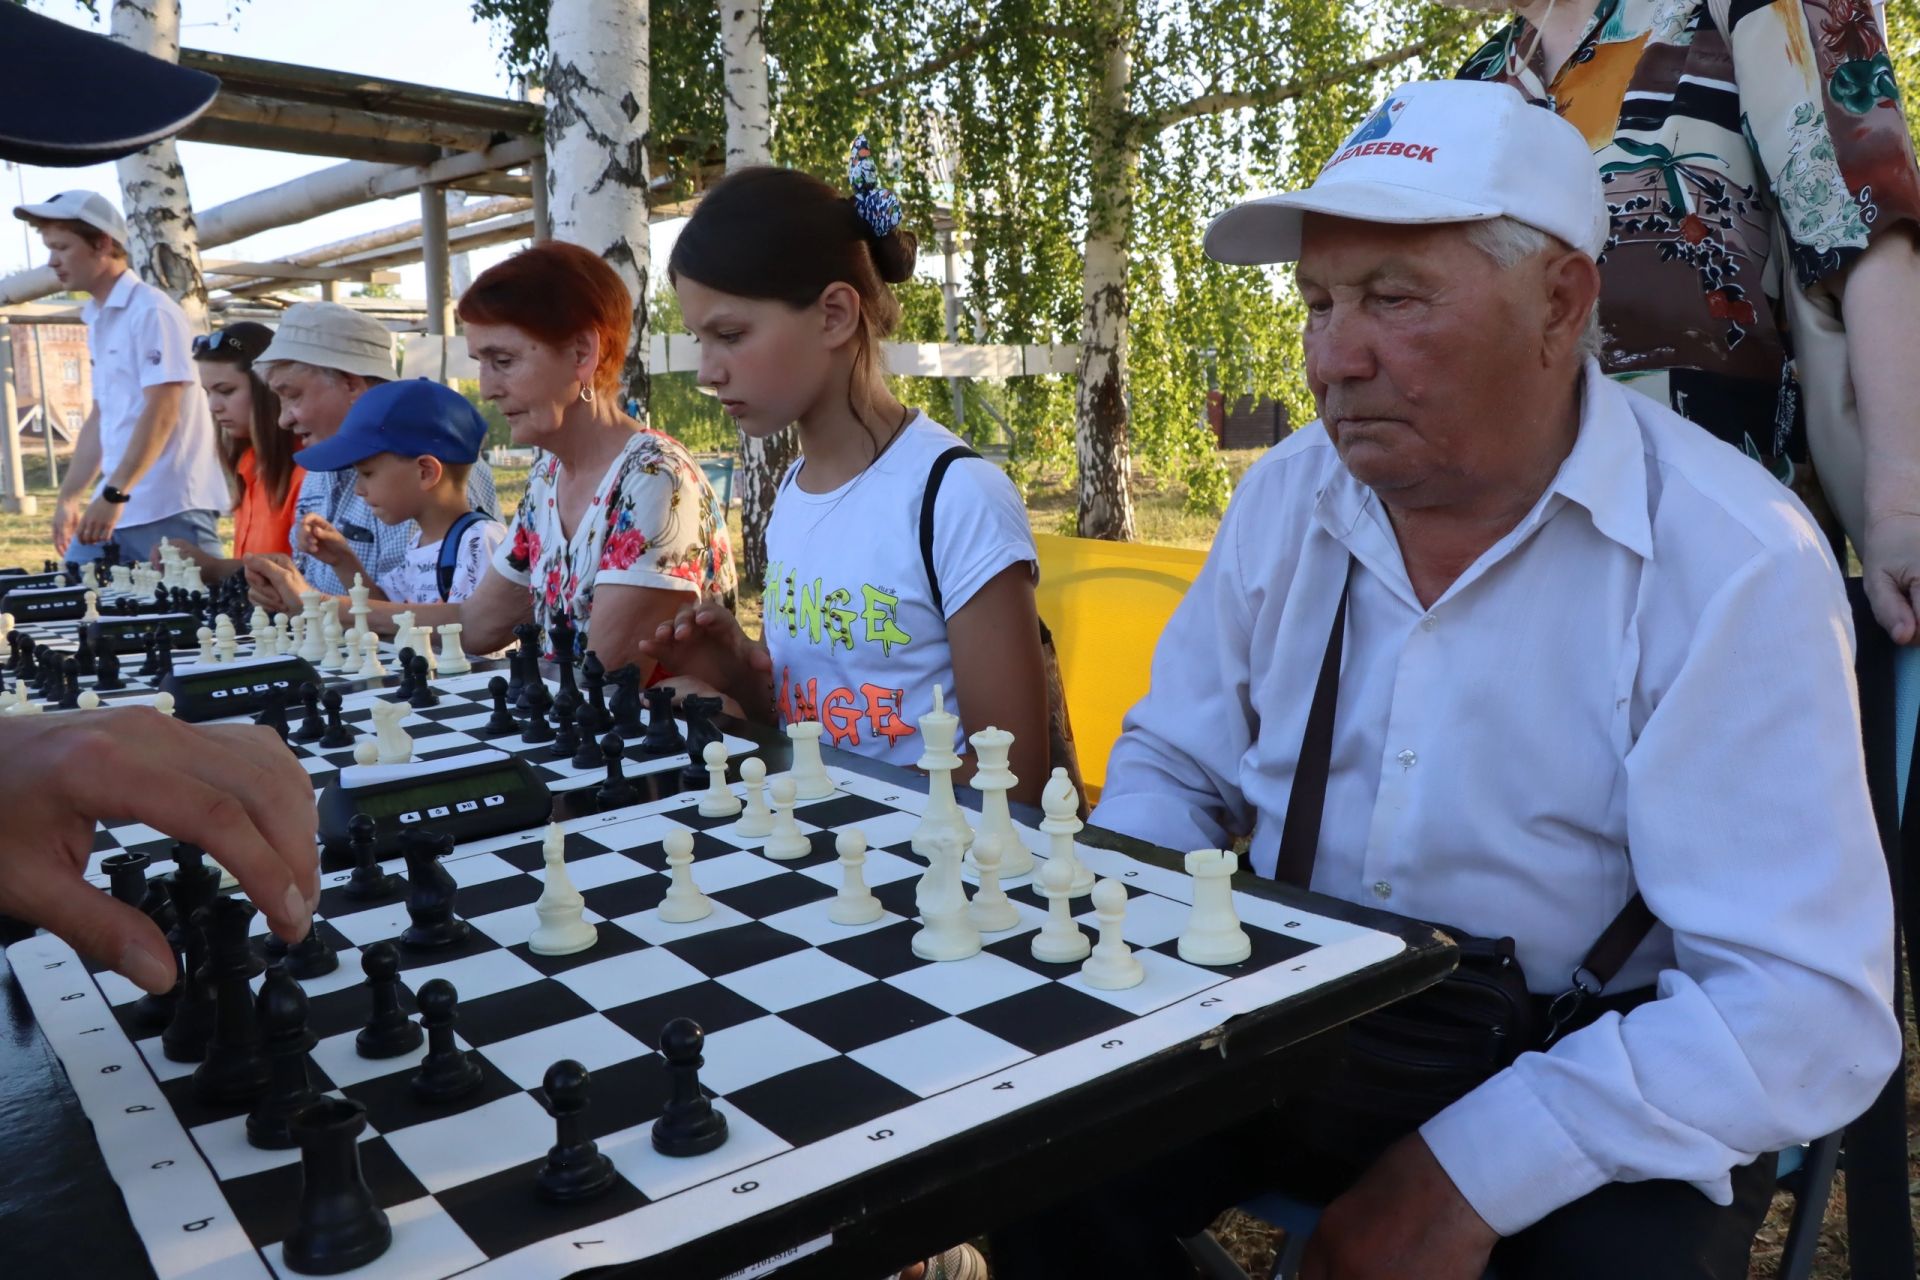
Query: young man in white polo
(150, 436)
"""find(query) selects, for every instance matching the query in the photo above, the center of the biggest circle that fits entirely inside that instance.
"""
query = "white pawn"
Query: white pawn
(1112, 966)
(855, 903)
(563, 931)
(684, 902)
(93, 603)
(163, 703)
(1213, 934)
(758, 819)
(259, 623)
(786, 842)
(226, 645)
(990, 908)
(331, 658)
(6, 625)
(282, 632)
(1062, 823)
(89, 700)
(453, 658)
(205, 636)
(718, 802)
(366, 751)
(371, 667)
(810, 780)
(296, 635)
(1059, 940)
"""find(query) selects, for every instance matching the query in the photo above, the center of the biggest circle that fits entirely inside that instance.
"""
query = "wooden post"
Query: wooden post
(14, 500)
(436, 259)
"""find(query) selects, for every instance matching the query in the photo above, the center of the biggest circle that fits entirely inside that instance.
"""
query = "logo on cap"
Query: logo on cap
(1367, 140)
(1380, 123)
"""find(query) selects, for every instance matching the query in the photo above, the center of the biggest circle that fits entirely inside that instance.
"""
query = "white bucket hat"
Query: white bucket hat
(1436, 151)
(89, 207)
(329, 335)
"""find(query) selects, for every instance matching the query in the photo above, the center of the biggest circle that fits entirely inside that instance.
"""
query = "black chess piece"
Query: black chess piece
(625, 707)
(501, 722)
(127, 876)
(563, 659)
(448, 1071)
(337, 734)
(70, 684)
(566, 738)
(280, 1010)
(528, 634)
(235, 1069)
(339, 1225)
(403, 663)
(194, 885)
(422, 695)
(13, 652)
(430, 894)
(313, 726)
(153, 1012)
(84, 654)
(616, 790)
(273, 714)
(107, 673)
(562, 634)
(164, 667)
(152, 663)
(539, 702)
(690, 1126)
(274, 948)
(591, 729)
(699, 713)
(593, 683)
(368, 883)
(575, 1169)
(311, 957)
(663, 734)
(388, 1032)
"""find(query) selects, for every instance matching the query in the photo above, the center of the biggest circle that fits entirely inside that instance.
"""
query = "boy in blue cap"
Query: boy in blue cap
(411, 445)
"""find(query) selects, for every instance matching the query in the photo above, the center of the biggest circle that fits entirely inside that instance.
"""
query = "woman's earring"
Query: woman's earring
(586, 395)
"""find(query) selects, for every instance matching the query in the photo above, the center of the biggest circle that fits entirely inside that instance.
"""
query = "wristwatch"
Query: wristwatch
(114, 495)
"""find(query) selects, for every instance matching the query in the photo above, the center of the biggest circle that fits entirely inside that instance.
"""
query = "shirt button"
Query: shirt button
(1428, 623)
(1381, 889)
(1407, 759)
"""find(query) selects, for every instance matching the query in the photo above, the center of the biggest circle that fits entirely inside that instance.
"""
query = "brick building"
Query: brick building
(1250, 422)
(63, 355)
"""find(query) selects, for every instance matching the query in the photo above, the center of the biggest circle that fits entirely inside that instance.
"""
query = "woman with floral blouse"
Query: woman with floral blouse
(1762, 270)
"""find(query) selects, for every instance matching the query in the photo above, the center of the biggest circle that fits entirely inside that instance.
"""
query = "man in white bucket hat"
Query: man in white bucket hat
(1575, 653)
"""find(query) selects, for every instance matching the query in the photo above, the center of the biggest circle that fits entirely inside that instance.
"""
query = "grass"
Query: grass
(1162, 518)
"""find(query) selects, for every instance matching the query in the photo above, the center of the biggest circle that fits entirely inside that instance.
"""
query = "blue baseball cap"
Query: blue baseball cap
(414, 418)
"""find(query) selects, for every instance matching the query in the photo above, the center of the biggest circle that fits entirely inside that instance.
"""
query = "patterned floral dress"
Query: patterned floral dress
(653, 522)
(1746, 149)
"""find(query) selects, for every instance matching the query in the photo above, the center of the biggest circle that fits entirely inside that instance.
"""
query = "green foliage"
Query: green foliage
(499, 434)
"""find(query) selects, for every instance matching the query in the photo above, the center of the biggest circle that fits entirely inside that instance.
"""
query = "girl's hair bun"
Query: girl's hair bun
(895, 254)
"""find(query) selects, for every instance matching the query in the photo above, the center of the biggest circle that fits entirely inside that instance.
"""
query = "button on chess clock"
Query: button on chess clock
(236, 688)
(471, 796)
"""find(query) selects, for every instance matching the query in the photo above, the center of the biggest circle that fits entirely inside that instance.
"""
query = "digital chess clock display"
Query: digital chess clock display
(473, 796)
(464, 793)
(236, 688)
(58, 604)
(130, 634)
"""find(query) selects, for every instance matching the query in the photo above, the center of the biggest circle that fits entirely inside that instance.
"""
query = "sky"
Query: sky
(423, 41)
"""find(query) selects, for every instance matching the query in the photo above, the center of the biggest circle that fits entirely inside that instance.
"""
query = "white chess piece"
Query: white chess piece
(93, 603)
(403, 632)
(992, 911)
(453, 658)
(938, 760)
(1061, 804)
(312, 640)
(786, 841)
(1112, 966)
(296, 634)
(1059, 940)
(371, 667)
(810, 780)
(563, 931)
(89, 700)
(395, 743)
(757, 820)
(855, 903)
(258, 623)
(163, 703)
(226, 644)
(366, 751)
(947, 931)
(205, 636)
(718, 801)
(1213, 934)
(993, 780)
(684, 903)
(331, 657)
(6, 625)
(281, 632)
(357, 595)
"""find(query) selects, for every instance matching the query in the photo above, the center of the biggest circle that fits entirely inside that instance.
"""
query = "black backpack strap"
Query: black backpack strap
(786, 478)
(934, 477)
(450, 549)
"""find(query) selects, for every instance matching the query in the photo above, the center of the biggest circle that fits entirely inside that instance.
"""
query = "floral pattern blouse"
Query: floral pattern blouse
(1745, 149)
(653, 522)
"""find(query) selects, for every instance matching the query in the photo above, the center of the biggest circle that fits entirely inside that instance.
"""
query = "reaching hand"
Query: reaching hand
(323, 542)
(704, 643)
(234, 790)
(274, 584)
(97, 521)
(66, 521)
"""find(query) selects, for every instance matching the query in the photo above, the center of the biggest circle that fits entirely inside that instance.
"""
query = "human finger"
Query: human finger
(95, 924)
(1891, 607)
(250, 761)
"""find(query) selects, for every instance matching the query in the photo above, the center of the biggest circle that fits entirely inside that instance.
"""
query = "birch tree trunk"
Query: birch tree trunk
(165, 243)
(597, 135)
(1105, 508)
(743, 46)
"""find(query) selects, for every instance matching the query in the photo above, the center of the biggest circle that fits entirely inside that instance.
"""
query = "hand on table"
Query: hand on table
(705, 645)
(1404, 1217)
(234, 790)
(97, 521)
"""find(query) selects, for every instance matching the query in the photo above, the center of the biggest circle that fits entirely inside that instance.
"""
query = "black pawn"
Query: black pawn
(127, 876)
(689, 1126)
(313, 726)
(430, 894)
(311, 957)
(539, 702)
(575, 1168)
(422, 695)
(616, 790)
(388, 1032)
(194, 885)
(235, 1069)
(337, 734)
(275, 948)
(502, 722)
(566, 738)
(339, 1225)
(368, 883)
(593, 682)
(663, 735)
(163, 667)
(448, 1071)
(403, 664)
(591, 729)
(274, 714)
(281, 1011)
(84, 655)
(625, 707)
(107, 673)
(70, 684)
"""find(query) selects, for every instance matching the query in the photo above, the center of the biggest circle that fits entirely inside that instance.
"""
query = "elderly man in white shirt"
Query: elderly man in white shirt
(1589, 651)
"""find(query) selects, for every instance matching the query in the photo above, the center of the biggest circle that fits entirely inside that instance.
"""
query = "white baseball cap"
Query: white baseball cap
(89, 207)
(330, 335)
(1436, 151)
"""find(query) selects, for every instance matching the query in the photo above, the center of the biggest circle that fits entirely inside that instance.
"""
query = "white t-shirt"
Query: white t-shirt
(417, 578)
(139, 338)
(850, 622)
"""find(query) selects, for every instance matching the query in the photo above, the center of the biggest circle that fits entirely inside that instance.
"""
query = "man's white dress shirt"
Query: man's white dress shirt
(1647, 685)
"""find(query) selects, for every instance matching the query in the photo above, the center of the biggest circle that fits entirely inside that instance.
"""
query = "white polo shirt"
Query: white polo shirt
(140, 338)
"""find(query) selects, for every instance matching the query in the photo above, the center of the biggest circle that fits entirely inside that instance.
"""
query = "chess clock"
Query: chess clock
(45, 604)
(21, 580)
(217, 690)
(470, 797)
(117, 634)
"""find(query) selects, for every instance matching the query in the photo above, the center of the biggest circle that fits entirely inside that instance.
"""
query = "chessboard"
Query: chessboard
(833, 1051)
